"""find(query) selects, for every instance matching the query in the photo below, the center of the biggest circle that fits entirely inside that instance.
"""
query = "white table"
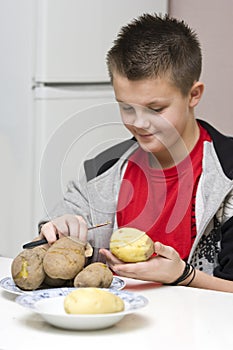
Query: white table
(175, 318)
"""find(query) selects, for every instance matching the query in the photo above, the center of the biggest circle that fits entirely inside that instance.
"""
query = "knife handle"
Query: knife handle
(35, 243)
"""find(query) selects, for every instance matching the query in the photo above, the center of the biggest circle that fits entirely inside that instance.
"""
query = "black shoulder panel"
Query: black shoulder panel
(106, 159)
(223, 146)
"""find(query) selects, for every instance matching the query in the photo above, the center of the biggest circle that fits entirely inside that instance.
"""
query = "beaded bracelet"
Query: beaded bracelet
(186, 273)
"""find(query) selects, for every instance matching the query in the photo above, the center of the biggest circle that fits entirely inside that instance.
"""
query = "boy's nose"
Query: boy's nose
(141, 120)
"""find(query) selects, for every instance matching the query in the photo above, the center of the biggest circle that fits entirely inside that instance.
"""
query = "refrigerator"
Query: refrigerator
(57, 105)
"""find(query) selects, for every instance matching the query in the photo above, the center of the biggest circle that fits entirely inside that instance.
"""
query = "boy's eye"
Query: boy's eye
(157, 110)
(126, 107)
(130, 109)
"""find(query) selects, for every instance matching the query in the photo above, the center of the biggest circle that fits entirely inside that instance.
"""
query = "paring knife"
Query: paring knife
(44, 240)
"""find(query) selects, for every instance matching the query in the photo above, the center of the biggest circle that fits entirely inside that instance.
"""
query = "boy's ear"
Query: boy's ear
(196, 93)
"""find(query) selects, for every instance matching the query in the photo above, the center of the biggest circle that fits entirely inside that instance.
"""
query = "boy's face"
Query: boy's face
(157, 114)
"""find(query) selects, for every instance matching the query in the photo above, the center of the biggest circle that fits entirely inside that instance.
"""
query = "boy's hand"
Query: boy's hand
(66, 225)
(165, 267)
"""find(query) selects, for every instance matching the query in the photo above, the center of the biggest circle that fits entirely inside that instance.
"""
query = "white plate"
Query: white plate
(8, 285)
(49, 304)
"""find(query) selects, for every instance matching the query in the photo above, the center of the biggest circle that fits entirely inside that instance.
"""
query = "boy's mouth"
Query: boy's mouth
(146, 135)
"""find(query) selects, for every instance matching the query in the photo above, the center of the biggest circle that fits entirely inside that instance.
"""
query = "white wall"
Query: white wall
(16, 137)
(212, 20)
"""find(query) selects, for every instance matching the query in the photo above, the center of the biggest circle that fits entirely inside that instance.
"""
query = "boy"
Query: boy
(173, 179)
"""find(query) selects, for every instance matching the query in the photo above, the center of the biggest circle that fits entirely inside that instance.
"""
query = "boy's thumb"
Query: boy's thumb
(163, 250)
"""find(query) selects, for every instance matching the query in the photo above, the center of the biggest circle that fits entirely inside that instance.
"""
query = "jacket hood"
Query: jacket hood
(223, 147)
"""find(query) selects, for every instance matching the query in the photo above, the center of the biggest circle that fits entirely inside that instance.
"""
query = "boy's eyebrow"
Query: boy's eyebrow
(148, 104)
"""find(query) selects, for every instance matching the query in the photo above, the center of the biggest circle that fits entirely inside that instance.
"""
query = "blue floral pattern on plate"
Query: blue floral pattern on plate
(8, 285)
(132, 300)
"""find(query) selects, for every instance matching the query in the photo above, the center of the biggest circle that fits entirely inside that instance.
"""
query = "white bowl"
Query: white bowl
(49, 304)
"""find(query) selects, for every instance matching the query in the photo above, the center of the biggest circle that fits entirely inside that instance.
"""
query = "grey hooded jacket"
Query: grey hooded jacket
(95, 198)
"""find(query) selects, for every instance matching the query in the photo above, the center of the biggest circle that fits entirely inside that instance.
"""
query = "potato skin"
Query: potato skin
(53, 282)
(27, 268)
(94, 275)
(64, 259)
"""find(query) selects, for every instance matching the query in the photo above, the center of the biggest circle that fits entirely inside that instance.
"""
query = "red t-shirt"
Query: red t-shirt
(161, 202)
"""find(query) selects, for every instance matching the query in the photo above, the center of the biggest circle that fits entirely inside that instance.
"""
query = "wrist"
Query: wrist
(190, 278)
(186, 278)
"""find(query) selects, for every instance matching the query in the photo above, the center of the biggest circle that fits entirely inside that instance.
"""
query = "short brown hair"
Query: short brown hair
(152, 46)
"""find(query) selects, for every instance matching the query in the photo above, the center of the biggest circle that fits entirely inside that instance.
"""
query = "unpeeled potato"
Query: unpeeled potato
(27, 268)
(94, 275)
(64, 259)
(131, 245)
(53, 282)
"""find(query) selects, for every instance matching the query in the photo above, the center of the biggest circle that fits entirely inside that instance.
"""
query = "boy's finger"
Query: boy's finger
(49, 231)
(165, 251)
(111, 258)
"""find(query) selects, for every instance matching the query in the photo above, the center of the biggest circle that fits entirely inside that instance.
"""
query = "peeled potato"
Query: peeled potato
(92, 301)
(94, 275)
(27, 268)
(64, 259)
(131, 245)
